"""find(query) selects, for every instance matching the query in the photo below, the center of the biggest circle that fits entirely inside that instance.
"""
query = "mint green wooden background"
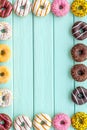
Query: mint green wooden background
(40, 65)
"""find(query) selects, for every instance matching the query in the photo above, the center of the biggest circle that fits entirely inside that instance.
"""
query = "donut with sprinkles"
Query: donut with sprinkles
(22, 123)
(42, 122)
(22, 7)
(41, 7)
(79, 95)
(79, 30)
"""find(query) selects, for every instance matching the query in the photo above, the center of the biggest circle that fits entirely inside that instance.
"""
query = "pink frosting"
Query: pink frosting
(60, 7)
(61, 122)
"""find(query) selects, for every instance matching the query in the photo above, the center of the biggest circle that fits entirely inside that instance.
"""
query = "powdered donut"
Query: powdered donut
(5, 52)
(22, 7)
(41, 7)
(60, 7)
(42, 122)
(22, 123)
(61, 122)
(5, 31)
(5, 97)
(7, 122)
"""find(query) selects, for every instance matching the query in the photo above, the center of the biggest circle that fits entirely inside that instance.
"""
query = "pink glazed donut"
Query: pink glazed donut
(61, 122)
(60, 7)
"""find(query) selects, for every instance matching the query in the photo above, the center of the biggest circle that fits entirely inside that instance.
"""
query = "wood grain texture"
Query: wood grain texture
(40, 65)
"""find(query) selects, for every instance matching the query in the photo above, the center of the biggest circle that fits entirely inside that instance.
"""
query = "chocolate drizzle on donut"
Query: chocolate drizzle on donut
(79, 30)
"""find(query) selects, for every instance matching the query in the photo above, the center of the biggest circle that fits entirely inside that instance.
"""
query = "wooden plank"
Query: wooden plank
(64, 84)
(43, 65)
(23, 65)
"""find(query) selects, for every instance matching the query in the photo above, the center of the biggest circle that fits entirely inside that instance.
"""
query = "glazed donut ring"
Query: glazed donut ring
(22, 7)
(5, 97)
(79, 95)
(5, 8)
(22, 123)
(79, 121)
(61, 122)
(79, 8)
(5, 31)
(79, 30)
(42, 122)
(4, 74)
(41, 7)
(7, 122)
(5, 52)
(79, 72)
(79, 52)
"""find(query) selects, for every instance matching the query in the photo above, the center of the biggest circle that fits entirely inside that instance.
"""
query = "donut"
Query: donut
(42, 122)
(4, 74)
(79, 8)
(79, 121)
(60, 7)
(5, 97)
(61, 122)
(79, 72)
(79, 95)
(41, 7)
(79, 52)
(6, 122)
(22, 7)
(5, 8)
(79, 30)
(5, 52)
(22, 123)
(5, 31)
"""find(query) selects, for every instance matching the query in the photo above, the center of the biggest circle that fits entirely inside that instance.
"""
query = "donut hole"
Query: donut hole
(3, 8)
(80, 72)
(60, 7)
(43, 123)
(80, 96)
(2, 122)
(81, 31)
(3, 98)
(80, 52)
(22, 7)
(80, 7)
(2, 52)
(22, 124)
(41, 6)
(62, 122)
(3, 30)
(80, 121)
(2, 74)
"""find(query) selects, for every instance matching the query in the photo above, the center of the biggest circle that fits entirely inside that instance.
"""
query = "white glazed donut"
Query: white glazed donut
(42, 122)
(22, 7)
(5, 97)
(5, 31)
(41, 7)
(22, 123)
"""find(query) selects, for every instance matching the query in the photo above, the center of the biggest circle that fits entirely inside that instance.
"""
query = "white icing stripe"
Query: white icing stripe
(79, 93)
(75, 98)
(83, 92)
(81, 34)
(76, 25)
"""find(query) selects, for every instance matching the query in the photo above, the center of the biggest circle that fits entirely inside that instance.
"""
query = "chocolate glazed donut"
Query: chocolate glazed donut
(79, 72)
(6, 122)
(79, 30)
(5, 8)
(79, 52)
(79, 95)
